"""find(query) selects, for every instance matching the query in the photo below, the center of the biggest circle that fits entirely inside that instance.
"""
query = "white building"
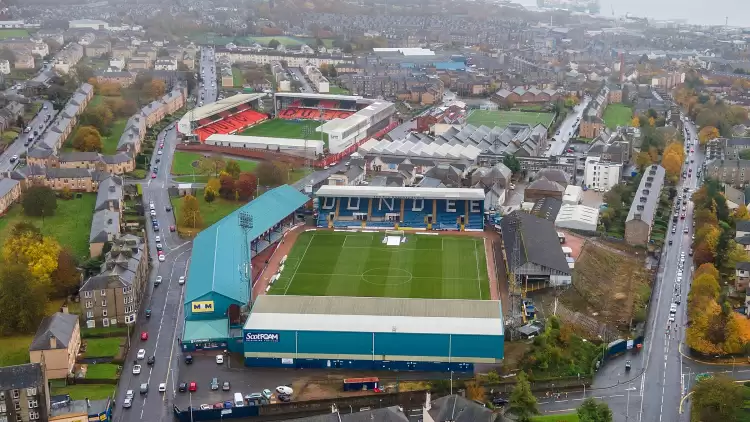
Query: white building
(165, 64)
(88, 23)
(4, 67)
(601, 175)
(577, 217)
(573, 195)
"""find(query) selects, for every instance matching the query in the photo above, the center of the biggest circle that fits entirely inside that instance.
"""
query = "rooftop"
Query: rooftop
(400, 192)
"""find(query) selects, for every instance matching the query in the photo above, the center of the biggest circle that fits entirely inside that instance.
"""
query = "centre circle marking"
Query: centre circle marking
(400, 274)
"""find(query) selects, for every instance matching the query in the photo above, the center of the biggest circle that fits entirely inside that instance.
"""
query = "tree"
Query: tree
(707, 133)
(745, 154)
(38, 253)
(594, 411)
(154, 89)
(233, 168)
(522, 402)
(100, 117)
(211, 165)
(7, 54)
(226, 189)
(22, 303)
(717, 398)
(274, 43)
(39, 201)
(20, 123)
(512, 163)
(246, 185)
(741, 213)
(66, 278)
(651, 121)
(214, 184)
(270, 174)
(635, 122)
(642, 160)
(87, 138)
(672, 164)
(191, 212)
(209, 194)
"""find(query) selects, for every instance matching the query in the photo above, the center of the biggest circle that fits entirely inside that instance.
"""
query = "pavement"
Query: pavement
(17, 148)
(569, 126)
(165, 302)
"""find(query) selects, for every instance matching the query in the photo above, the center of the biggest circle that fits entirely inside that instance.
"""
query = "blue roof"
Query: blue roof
(450, 66)
(218, 255)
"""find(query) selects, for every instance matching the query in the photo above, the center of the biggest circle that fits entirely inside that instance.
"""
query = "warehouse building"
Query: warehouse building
(366, 333)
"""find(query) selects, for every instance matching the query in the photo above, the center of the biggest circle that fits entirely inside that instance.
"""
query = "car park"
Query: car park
(225, 386)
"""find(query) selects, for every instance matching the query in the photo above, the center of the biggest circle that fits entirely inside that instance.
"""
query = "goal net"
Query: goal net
(394, 237)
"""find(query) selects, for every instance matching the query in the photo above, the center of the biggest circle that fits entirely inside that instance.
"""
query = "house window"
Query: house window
(129, 319)
(3, 409)
(16, 394)
(128, 309)
(87, 294)
(105, 322)
(103, 293)
(3, 418)
(31, 391)
(17, 406)
(104, 302)
(89, 304)
(33, 416)
(89, 314)
(104, 312)
(33, 404)
(91, 323)
(126, 290)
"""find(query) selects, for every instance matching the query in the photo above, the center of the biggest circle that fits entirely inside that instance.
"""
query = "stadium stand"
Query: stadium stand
(312, 114)
(231, 123)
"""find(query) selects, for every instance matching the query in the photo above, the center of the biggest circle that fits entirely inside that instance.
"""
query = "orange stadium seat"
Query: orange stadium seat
(231, 123)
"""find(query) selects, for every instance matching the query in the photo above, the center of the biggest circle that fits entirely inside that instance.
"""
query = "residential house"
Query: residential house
(24, 393)
(98, 49)
(353, 174)
(601, 175)
(107, 220)
(68, 57)
(592, 123)
(122, 78)
(114, 296)
(731, 172)
(742, 276)
(56, 343)
(9, 115)
(542, 188)
(10, 193)
(24, 60)
(640, 219)
(4, 67)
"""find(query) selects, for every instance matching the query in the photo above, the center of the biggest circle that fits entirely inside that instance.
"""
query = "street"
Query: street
(164, 327)
(567, 128)
(17, 148)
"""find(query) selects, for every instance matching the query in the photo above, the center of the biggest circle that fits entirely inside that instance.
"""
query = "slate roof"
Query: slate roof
(538, 241)
(544, 184)
(547, 208)
(60, 326)
(647, 196)
(386, 414)
(457, 408)
(744, 266)
(17, 377)
(7, 185)
(742, 226)
(105, 224)
(110, 189)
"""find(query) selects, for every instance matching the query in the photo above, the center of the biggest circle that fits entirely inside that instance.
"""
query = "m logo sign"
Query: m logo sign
(205, 306)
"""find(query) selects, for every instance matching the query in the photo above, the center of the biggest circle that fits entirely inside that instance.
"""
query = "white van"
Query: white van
(238, 400)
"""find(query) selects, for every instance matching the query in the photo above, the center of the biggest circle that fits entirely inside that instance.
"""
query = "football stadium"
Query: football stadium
(322, 127)
(389, 280)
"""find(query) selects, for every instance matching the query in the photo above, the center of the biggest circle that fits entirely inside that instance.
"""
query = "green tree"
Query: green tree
(274, 43)
(211, 165)
(190, 212)
(22, 301)
(522, 402)
(39, 201)
(233, 168)
(716, 399)
(209, 194)
(512, 163)
(745, 154)
(594, 411)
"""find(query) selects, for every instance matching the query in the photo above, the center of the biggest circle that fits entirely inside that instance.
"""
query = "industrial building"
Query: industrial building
(220, 275)
(367, 333)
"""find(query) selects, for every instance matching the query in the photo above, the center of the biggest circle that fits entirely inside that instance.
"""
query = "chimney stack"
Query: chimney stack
(52, 342)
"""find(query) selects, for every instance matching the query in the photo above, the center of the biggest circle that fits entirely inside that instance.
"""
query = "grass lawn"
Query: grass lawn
(102, 371)
(13, 33)
(96, 100)
(212, 212)
(337, 90)
(109, 143)
(70, 225)
(182, 164)
(280, 128)
(346, 264)
(198, 178)
(237, 78)
(568, 417)
(493, 118)
(286, 41)
(82, 391)
(103, 347)
(617, 115)
(88, 332)
(15, 350)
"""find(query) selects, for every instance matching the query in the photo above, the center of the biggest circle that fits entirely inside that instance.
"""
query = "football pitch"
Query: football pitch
(280, 128)
(360, 265)
(493, 118)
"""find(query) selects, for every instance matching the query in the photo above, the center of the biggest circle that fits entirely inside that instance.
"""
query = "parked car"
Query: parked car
(225, 386)
(182, 387)
(192, 387)
(283, 389)
(181, 281)
(219, 358)
(214, 383)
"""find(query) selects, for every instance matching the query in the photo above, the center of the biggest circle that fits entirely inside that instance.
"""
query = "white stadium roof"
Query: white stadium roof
(210, 109)
(319, 96)
(400, 192)
(380, 315)
(410, 149)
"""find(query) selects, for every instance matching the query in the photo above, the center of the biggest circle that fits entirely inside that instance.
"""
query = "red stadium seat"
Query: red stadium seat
(231, 123)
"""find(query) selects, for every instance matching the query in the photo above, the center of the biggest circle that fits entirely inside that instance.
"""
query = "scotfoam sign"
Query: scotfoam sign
(262, 337)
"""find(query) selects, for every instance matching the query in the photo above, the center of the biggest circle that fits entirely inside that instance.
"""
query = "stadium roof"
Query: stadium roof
(400, 192)
(218, 251)
(262, 141)
(370, 314)
(320, 96)
(406, 51)
(221, 105)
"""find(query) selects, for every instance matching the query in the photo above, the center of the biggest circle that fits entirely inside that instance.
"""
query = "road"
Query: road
(165, 302)
(17, 148)
(558, 143)
(208, 88)
(304, 85)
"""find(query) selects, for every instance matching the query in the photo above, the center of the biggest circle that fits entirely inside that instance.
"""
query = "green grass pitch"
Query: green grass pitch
(280, 128)
(493, 118)
(360, 265)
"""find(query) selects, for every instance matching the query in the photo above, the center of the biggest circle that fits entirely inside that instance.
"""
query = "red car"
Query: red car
(192, 387)
(172, 228)
(161, 145)
(153, 175)
(144, 335)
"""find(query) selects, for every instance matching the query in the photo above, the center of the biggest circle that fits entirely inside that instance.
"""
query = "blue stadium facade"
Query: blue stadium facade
(400, 207)
(373, 333)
